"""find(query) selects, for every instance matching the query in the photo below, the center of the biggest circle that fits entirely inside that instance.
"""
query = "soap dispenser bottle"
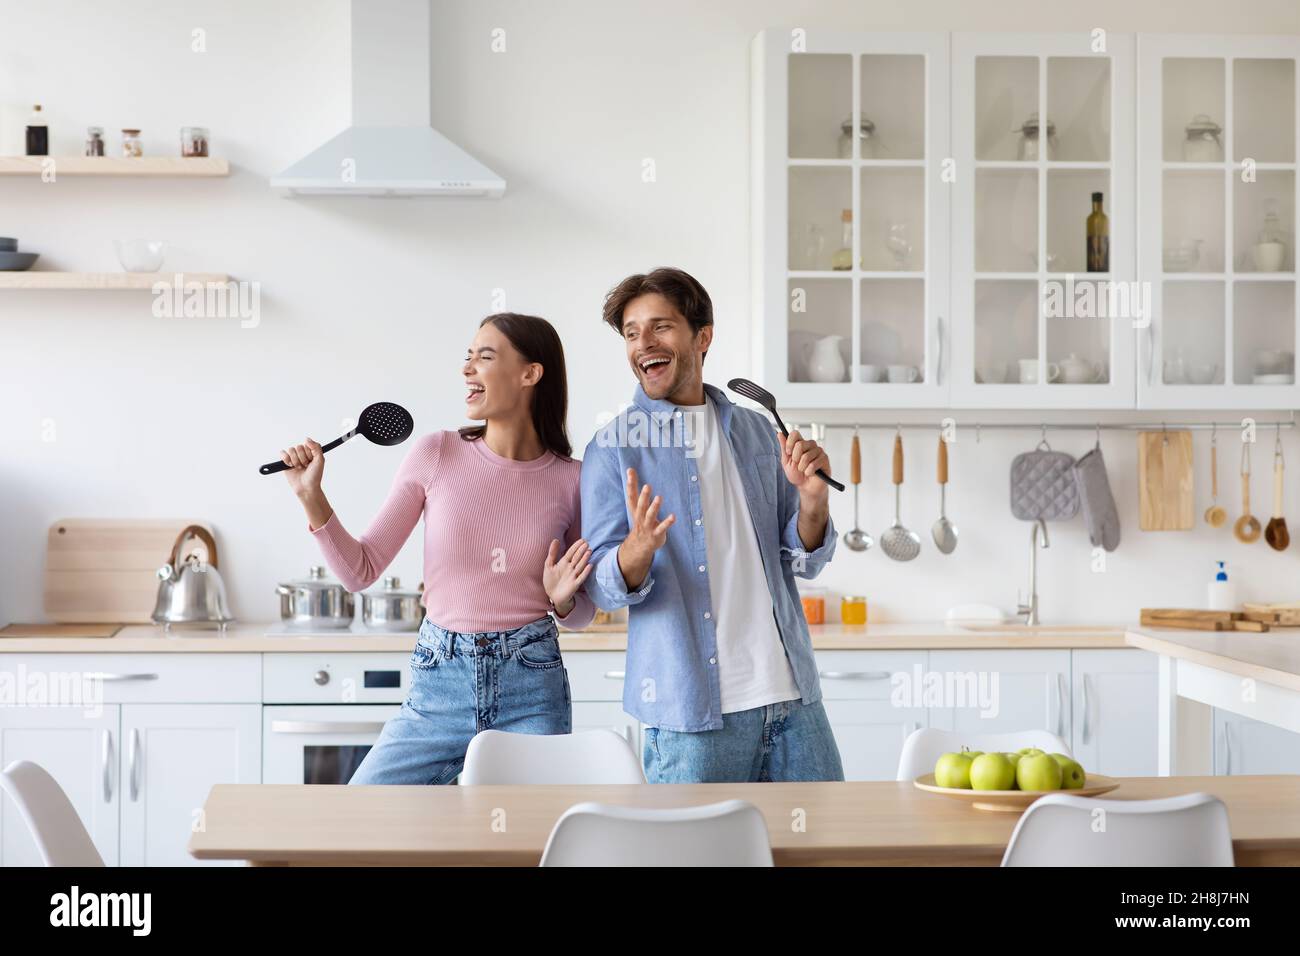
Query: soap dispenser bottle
(1222, 592)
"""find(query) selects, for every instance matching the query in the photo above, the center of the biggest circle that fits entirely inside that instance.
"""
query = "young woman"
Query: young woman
(497, 499)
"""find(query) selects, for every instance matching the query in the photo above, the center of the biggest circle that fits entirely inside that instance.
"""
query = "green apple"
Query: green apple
(953, 770)
(992, 772)
(1038, 772)
(1015, 761)
(1029, 751)
(1072, 775)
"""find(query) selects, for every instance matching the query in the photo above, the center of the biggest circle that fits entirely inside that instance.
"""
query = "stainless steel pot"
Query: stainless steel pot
(316, 602)
(390, 608)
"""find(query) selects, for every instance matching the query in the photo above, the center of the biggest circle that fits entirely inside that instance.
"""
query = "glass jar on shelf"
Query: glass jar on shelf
(1204, 143)
(95, 141)
(132, 144)
(1269, 252)
(1029, 148)
(194, 141)
(866, 138)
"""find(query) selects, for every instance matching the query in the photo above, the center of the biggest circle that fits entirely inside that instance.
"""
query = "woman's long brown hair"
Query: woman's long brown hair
(537, 341)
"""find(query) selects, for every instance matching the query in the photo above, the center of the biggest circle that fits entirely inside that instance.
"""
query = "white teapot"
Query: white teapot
(1077, 371)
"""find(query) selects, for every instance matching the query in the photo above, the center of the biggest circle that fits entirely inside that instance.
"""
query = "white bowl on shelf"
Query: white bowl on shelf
(140, 255)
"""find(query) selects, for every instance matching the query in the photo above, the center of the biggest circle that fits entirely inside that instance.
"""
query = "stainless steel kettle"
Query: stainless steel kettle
(191, 592)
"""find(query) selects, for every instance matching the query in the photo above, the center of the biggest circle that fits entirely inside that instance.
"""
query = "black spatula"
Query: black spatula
(382, 423)
(757, 393)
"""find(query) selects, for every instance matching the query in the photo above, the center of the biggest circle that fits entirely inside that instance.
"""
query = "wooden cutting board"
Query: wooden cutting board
(1166, 495)
(103, 570)
(59, 630)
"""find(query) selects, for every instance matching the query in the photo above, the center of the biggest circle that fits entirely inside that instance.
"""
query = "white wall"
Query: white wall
(374, 299)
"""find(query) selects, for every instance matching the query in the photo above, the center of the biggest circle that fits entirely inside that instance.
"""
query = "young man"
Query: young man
(719, 662)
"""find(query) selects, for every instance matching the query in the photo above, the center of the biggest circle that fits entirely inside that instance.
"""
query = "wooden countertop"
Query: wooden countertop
(879, 823)
(1273, 658)
(255, 639)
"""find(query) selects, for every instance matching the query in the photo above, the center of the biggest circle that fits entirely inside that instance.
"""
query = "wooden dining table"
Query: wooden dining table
(876, 824)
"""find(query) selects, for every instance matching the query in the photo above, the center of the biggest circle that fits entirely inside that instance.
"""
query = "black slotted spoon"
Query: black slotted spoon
(383, 423)
(757, 393)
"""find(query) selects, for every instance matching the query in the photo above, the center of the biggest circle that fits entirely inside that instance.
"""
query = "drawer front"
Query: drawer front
(867, 675)
(596, 675)
(349, 678)
(175, 678)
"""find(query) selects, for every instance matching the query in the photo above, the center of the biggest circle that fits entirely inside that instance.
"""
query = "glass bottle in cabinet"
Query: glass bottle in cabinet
(842, 261)
(1029, 148)
(1269, 251)
(1203, 144)
(866, 138)
(1098, 238)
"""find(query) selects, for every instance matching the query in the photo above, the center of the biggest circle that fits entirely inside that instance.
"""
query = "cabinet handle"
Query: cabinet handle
(1087, 727)
(855, 675)
(106, 758)
(1227, 748)
(1151, 351)
(100, 675)
(326, 726)
(1060, 705)
(615, 675)
(134, 758)
(938, 367)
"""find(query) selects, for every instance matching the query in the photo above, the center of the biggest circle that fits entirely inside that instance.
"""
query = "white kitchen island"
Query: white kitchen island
(1253, 675)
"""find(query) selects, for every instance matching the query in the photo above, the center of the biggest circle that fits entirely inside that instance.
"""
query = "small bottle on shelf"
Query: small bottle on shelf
(38, 133)
(1098, 238)
(843, 258)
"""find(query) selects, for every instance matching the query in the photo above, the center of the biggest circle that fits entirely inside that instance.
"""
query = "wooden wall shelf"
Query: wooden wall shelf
(156, 166)
(104, 280)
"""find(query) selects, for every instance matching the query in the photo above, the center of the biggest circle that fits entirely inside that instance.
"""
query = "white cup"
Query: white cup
(1029, 371)
(903, 374)
(871, 373)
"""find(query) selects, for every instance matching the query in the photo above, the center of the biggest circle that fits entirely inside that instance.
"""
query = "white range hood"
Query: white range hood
(390, 149)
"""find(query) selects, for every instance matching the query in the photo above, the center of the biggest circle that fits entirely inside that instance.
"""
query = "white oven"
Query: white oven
(322, 712)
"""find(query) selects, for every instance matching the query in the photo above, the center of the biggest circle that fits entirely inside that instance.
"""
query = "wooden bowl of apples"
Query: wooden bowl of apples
(1010, 782)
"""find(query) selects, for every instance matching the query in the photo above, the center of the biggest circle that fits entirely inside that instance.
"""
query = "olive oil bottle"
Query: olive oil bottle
(843, 258)
(1098, 238)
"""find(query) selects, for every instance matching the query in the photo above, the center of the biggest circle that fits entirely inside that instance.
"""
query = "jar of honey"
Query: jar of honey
(814, 605)
(853, 609)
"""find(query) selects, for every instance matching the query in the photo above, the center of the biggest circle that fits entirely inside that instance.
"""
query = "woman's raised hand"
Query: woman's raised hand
(306, 467)
(562, 575)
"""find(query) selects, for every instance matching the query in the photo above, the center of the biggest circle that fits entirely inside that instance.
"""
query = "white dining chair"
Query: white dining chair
(1063, 830)
(923, 748)
(587, 757)
(59, 833)
(731, 833)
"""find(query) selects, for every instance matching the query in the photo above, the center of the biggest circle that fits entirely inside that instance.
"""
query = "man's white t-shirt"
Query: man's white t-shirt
(753, 670)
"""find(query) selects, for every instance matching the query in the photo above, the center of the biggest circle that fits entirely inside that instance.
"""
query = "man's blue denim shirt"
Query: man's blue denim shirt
(672, 648)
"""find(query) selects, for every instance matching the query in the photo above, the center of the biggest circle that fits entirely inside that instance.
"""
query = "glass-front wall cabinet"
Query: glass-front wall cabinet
(1078, 220)
(1043, 249)
(851, 245)
(1217, 148)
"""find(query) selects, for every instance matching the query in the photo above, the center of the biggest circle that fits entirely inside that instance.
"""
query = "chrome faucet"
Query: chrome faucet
(1030, 611)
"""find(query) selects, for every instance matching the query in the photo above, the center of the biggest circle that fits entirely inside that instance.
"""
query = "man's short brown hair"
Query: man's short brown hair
(680, 288)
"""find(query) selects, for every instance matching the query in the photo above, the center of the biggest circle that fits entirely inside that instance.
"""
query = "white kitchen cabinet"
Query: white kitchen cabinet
(171, 756)
(1246, 746)
(79, 748)
(1114, 694)
(607, 715)
(999, 691)
(1217, 146)
(1032, 326)
(870, 329)
(870, 735)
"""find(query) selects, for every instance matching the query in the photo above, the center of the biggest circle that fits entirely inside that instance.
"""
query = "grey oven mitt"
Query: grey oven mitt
(1043, 485)
(1099, 511)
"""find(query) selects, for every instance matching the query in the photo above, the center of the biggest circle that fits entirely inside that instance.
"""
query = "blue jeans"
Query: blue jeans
(782, 742)
(463, 683)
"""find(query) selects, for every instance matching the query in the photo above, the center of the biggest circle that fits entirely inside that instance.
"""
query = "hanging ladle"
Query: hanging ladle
(1215, 515)
(857, 539)
(943, 530)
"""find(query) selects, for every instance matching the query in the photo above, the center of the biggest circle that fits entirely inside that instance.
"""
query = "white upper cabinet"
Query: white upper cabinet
(1217, 158)
(850, 217)
(1038, 322)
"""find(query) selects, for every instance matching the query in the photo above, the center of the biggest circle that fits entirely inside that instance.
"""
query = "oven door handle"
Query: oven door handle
(326, 726)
